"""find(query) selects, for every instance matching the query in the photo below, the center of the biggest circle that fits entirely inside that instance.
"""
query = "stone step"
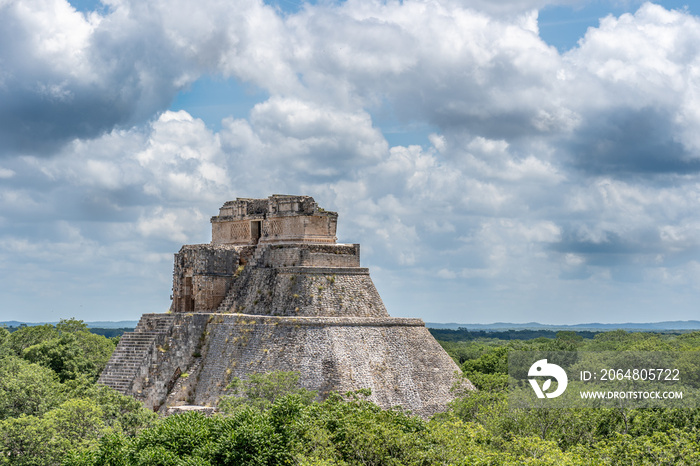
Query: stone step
(125, 362)
(134, 364)
(227, 302)
(133, 348)
(157, 331)
(116, 377)
(121, 373)
(257, 255)
(121, 370)
(128, 354)
(225, 305)
(125, 353)
(229, 299)
(113, 382)
(137, 344)
(122, 390)
(151, 324)
(140, 336)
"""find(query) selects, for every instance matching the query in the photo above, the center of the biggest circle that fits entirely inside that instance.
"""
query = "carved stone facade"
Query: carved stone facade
(277, 219)
(202, 275)
(274, 291)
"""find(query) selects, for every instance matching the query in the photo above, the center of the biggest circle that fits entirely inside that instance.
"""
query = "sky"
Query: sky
(512, 161)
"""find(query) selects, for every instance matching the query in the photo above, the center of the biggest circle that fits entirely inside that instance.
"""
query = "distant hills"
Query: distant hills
(96, 324)
(650, 326)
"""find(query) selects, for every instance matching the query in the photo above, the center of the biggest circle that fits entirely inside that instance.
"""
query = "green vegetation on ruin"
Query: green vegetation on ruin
(52, 412)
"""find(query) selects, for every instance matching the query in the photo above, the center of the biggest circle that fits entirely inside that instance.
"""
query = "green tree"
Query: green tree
(248, 436)
(4, 335)
(77, 424)
(121, 413)
(71, 350)
(352, 430)
(261, 390)
(24, 337)
(27, 388)
(26, 441)
(493, 361)
(672, 448)
(48, 440)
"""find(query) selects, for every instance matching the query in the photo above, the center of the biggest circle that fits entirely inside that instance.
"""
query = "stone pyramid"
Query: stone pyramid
(275, 291)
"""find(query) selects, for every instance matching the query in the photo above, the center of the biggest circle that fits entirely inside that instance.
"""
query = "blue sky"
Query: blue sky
(517, 161)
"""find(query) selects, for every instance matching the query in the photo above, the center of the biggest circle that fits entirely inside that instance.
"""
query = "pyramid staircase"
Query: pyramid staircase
(230, 297)
(133, 349)
(175, 397)
(226, 304)
(260, 250)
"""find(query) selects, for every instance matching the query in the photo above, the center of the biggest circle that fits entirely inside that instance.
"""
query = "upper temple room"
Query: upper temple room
(276, 219)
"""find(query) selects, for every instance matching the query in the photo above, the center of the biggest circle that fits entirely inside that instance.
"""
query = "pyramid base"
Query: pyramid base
(194, 360)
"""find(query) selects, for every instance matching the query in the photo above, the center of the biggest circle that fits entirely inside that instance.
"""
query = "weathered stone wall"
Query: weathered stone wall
(151, 360)
(231, 232)
(170, 359)
(191, 358)
(306, 291)
(311, 255)
(202, 275)
(277, 229)
(286, 298)
(277, 219)
(397, 359)
(135, 351)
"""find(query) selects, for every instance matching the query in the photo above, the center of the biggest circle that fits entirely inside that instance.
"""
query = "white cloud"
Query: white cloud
(539, 168)
(446, 274)
(173, 224)
(68, 75)
(317, 138)
(176, 157)
(637, 62)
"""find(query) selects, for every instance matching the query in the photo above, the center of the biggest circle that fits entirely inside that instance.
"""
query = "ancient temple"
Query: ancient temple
(275, 291)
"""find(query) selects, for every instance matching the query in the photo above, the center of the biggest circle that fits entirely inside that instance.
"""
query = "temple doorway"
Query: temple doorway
(188, 295)
(255, 231)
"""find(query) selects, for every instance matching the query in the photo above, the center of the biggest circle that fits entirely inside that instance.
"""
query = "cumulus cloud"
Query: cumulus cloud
(172, 224)
(539, 170)
(636, 79)
(6, 173)
(68, 75)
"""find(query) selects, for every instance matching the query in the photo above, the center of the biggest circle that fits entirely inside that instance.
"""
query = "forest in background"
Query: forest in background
(52, 412)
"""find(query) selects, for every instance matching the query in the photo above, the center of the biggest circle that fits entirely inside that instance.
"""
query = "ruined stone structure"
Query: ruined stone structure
(274, 291)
